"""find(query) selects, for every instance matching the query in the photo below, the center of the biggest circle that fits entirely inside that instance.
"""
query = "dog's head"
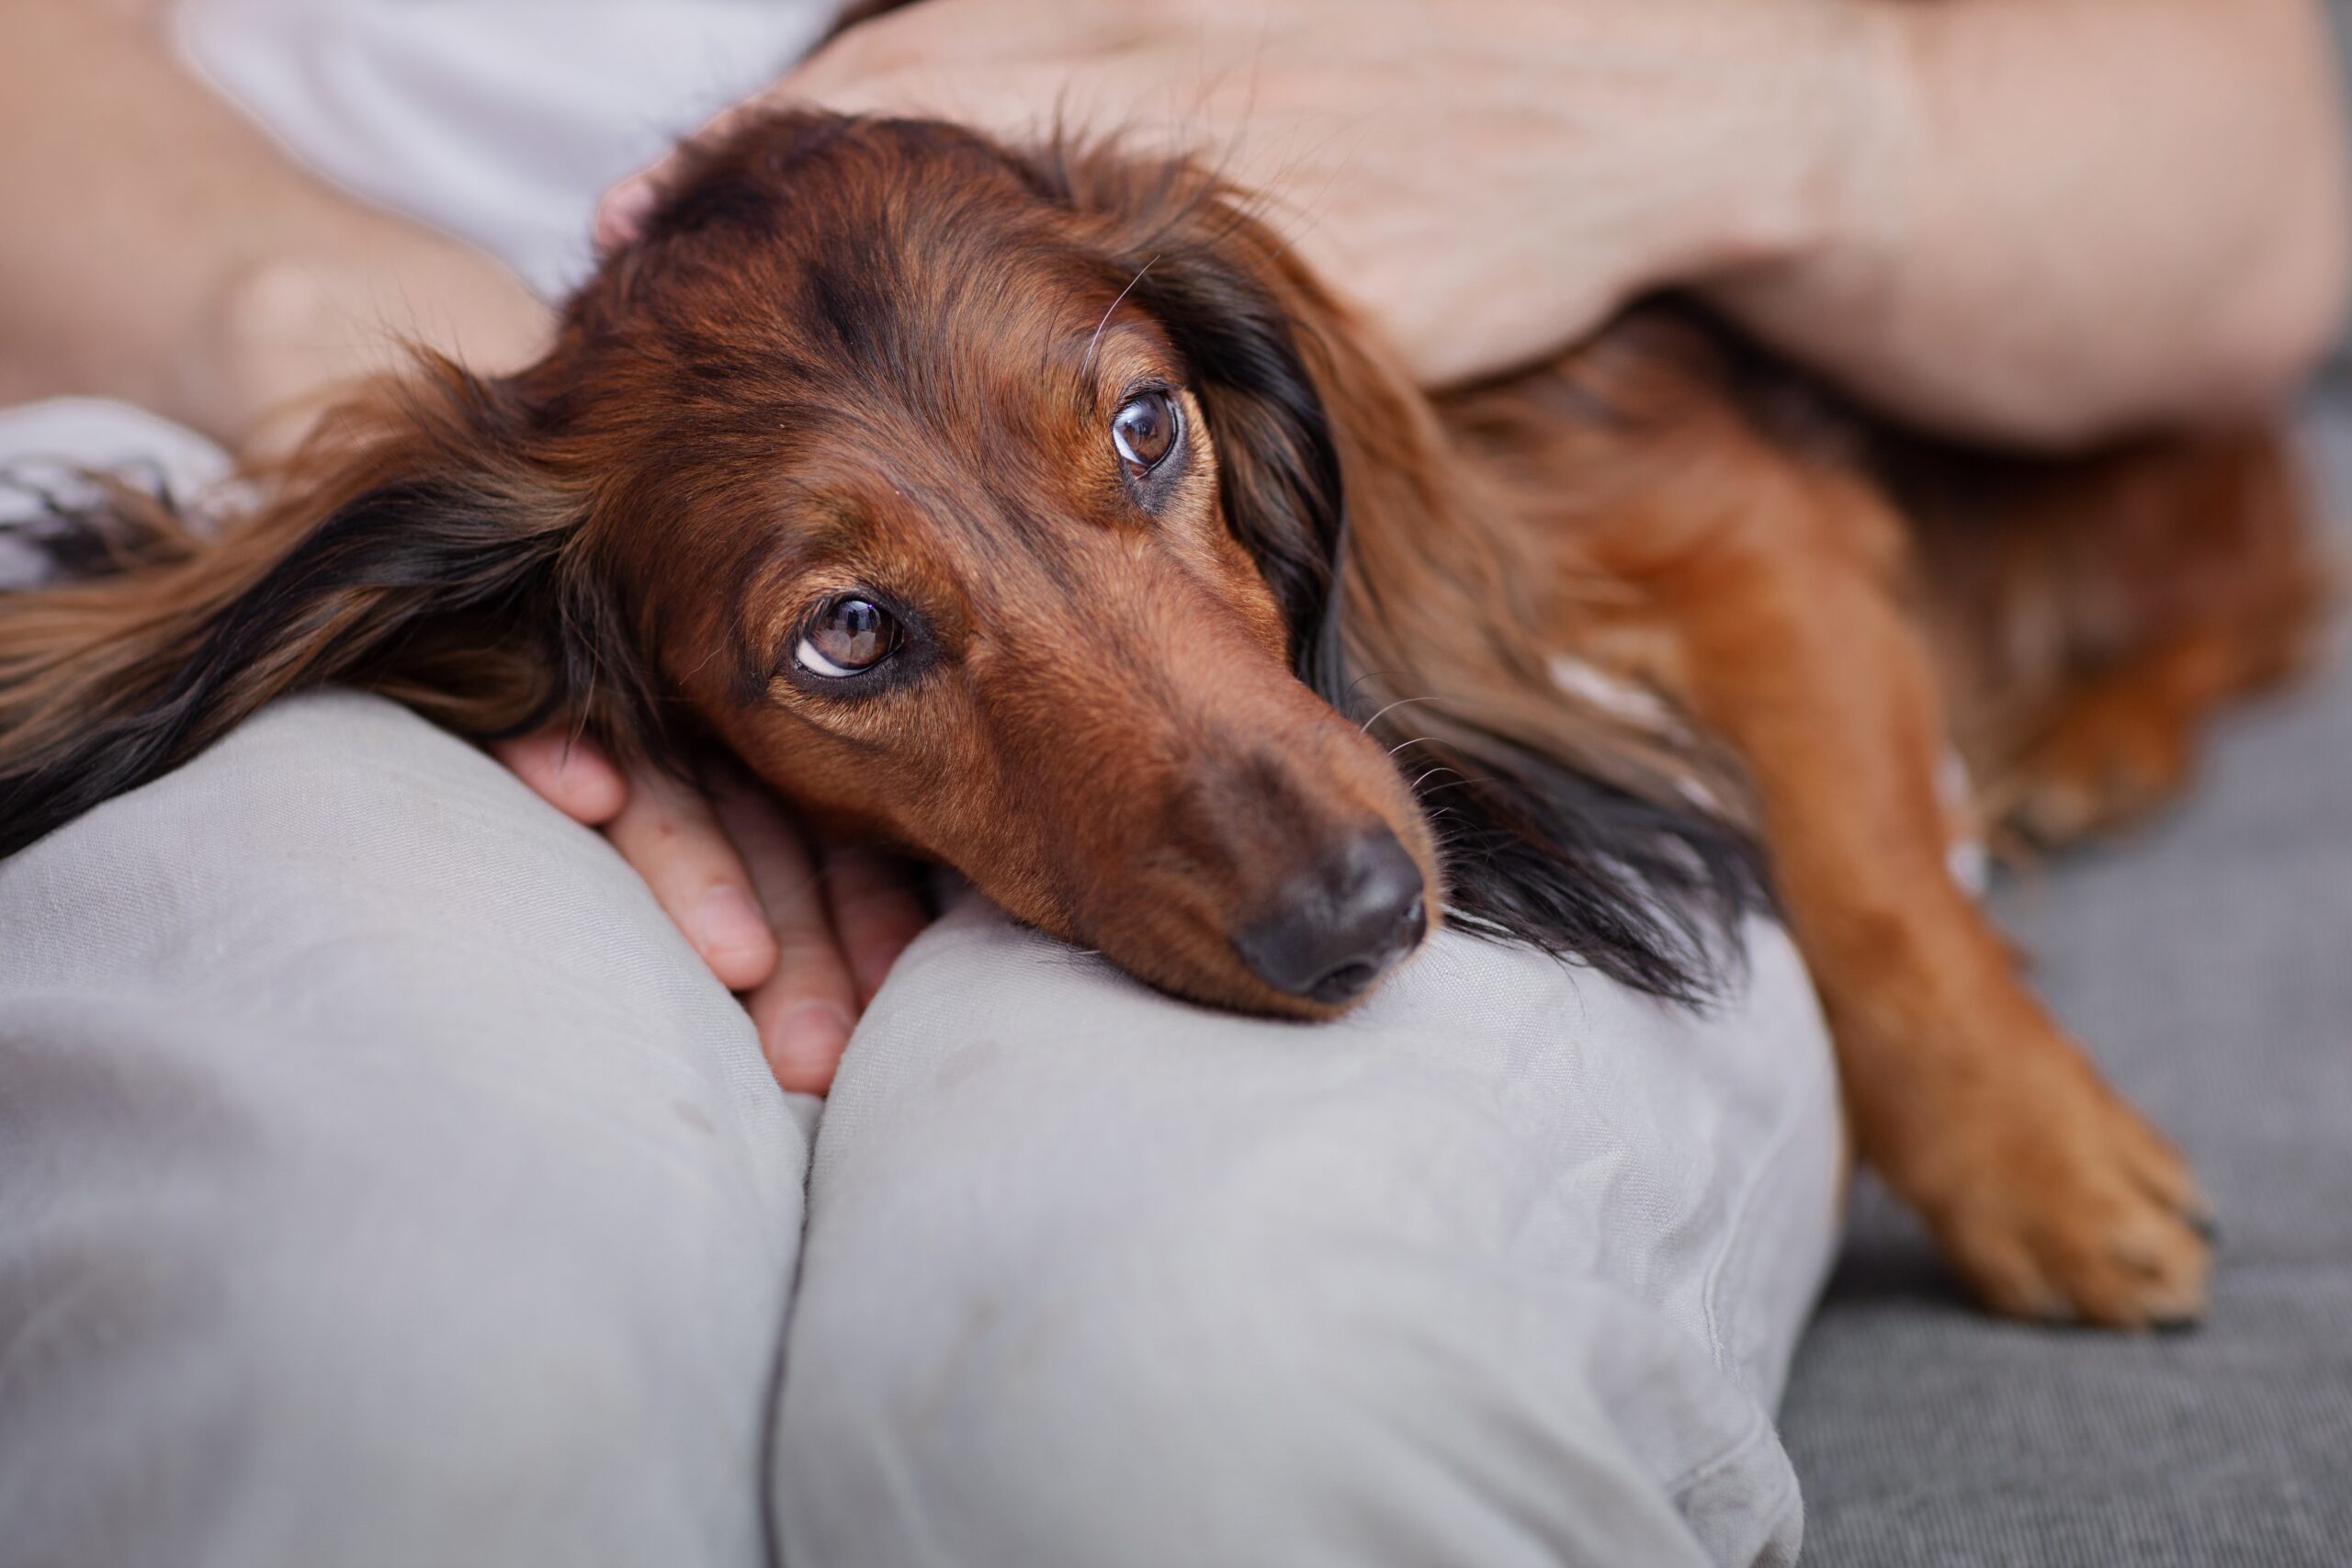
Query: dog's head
(977, 505)
(993, 504)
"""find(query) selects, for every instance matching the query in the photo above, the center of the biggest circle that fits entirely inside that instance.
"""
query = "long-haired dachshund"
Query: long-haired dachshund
(1038, 512)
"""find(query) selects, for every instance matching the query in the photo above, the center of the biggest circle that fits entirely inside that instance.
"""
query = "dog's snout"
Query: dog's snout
(1341, 925)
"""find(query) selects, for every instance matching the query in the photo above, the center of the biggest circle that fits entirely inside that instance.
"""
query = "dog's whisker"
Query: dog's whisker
(1087, 362)
(1372, 675)
(1383, 713)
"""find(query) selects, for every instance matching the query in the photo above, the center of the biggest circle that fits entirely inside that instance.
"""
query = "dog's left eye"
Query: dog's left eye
(850, 636)
(1144, 431)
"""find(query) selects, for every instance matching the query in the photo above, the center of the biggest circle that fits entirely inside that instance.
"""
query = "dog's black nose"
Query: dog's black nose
(1339, 927)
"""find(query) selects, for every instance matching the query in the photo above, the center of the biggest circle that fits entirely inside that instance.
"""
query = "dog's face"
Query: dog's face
(938, 512)
(989, 503)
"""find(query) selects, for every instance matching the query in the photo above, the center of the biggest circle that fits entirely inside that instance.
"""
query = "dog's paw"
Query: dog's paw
(2074, 1209)
(2115, 756)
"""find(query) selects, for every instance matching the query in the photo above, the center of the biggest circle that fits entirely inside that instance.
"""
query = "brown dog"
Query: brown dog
(1038, 512)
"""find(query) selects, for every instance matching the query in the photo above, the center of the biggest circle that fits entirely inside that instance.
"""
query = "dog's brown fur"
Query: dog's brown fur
(886, 354)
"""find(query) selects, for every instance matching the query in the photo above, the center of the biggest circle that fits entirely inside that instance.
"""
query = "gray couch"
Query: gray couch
(2209, 962)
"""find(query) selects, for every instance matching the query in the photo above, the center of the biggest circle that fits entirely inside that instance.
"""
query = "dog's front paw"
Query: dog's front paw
(2066, 1204)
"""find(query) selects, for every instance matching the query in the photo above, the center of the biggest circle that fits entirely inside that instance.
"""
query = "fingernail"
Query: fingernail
(727, 922)
(811, 1033)
(621, 216)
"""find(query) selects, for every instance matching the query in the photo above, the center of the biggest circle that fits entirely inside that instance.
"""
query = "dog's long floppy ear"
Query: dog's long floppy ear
(1564, 824)
(415, 547)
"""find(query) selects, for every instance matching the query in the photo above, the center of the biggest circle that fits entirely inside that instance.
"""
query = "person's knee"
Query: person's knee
(1219, 1388)
(293, 1368)
(363, 1150)
(1497, 1270)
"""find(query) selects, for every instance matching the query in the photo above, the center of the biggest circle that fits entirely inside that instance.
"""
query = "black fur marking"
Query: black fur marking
(82, 525)
(1648, 895)
(418, 551)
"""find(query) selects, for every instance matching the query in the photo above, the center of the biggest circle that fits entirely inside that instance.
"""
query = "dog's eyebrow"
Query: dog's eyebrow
(825, 525)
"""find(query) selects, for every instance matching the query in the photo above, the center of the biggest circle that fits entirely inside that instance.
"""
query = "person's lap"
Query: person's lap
(381, 1180)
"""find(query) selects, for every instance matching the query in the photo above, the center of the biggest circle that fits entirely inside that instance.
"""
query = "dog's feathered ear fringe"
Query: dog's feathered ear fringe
(416, 549)
(1565, 825)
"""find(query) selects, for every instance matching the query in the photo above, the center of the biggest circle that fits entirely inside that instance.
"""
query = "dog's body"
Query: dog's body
(1039, 513)
(2065, 628)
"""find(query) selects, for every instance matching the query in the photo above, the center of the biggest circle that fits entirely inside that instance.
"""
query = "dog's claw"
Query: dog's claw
(2081, 1212)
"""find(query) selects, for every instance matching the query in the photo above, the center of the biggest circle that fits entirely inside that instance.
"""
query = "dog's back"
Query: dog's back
(2088, 614)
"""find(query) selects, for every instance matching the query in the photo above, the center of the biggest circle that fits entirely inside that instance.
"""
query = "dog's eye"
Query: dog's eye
(849, 636)
(1144, 431)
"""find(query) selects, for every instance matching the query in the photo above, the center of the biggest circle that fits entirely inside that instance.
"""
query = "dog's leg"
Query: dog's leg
(1776, 580)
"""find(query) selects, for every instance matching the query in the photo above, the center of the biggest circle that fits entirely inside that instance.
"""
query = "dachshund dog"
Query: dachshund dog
(1035, 511)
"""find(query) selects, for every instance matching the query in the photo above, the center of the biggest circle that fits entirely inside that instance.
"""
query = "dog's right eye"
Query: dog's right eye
(849, 636)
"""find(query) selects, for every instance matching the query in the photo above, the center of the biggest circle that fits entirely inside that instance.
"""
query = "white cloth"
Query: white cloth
(499, 120)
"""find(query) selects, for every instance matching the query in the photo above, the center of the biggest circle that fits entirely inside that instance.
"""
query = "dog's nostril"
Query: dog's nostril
(1338, 927)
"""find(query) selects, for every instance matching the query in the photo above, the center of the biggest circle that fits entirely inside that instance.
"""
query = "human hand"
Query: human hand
(804, 930)
(1487, 179)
